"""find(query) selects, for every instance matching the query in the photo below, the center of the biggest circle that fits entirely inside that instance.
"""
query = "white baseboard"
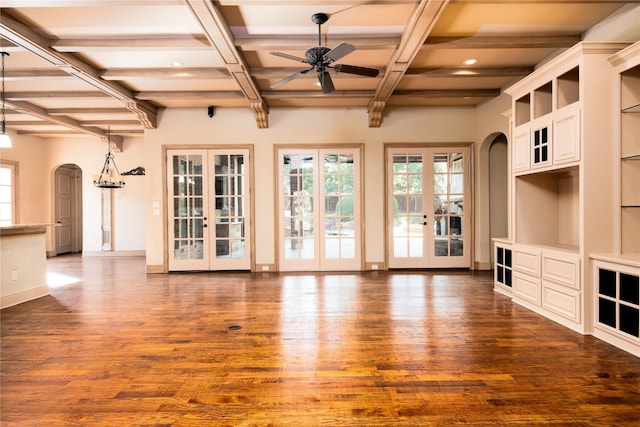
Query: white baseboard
(155, 269)
(113, 253)
(482, 266)
(23, 296)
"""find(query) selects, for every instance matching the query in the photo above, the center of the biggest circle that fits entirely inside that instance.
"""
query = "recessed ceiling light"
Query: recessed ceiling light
(465, 73)
(470, 61)
(176, 64)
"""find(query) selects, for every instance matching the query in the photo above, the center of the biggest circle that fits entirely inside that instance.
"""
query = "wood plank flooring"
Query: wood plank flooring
(120, 348)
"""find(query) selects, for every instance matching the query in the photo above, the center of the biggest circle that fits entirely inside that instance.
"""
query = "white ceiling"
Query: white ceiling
(81, 66)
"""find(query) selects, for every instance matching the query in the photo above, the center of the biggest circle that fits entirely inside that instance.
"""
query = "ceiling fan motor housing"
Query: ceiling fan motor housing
(315, 55)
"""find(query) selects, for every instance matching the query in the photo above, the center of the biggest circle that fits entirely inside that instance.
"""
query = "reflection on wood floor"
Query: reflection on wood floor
(116, 347)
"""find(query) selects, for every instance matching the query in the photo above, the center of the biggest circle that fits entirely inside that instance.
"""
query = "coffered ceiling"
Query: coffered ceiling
(82, 66)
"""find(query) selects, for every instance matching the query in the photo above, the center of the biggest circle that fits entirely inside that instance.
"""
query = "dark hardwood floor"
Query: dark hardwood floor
(120, 348)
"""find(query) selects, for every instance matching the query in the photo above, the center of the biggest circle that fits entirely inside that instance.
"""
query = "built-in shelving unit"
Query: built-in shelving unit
(547, 208)
(563, 168)
(616, 275)
(568, 87)
(630, 159)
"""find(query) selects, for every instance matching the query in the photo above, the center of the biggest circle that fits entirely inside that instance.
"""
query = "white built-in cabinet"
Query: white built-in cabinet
(562, 170)
(616, 275)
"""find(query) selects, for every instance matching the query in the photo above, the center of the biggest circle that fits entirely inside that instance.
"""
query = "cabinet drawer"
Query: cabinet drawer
(526, 288)
(562, 269)
(564, 302)
(526, 261)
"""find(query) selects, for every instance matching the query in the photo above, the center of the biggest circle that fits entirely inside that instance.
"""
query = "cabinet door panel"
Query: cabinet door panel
(521, 150)
(566, 137)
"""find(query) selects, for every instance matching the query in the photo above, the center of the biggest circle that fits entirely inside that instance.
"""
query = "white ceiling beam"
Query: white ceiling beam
(36, 111)
(148, 94)
(318, 94)
(86, 3)
(64, 111)
(165, 73)
(444, 93)
(303, 42)
(416, 32)
(498, 42)
(27, 38)
(463, 72)
(131, 43)
(217, 31)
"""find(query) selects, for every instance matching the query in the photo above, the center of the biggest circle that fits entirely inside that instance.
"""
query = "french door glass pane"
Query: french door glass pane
(448, 188)
(298, 206)
(408, 216)
(229, 206)
(188, 196)
(339, 235)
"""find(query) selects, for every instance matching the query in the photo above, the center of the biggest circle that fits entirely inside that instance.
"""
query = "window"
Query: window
(8, 179)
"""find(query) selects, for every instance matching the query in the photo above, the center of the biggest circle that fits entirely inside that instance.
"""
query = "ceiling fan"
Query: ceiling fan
(320, 59)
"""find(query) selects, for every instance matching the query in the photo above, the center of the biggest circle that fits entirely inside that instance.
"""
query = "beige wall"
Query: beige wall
(492, 120)
(33, 205)
(297, 126)
(37, 161)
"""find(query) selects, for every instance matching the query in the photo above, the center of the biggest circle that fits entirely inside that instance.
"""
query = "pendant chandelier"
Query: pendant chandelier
(5, 140)
(110, 176)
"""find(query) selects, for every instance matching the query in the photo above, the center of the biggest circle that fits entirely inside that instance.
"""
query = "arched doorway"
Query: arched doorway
(498, 190)
(68, 209)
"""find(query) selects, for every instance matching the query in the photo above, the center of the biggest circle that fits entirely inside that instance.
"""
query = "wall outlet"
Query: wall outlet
(374, 266)
(265, 268)
(14, 275)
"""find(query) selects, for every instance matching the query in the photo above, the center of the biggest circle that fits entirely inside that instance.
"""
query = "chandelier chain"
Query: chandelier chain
(3, 92)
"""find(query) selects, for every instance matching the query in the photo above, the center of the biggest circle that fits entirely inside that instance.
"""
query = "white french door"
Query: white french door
(319, 209)
(427, 190)
(209, 209)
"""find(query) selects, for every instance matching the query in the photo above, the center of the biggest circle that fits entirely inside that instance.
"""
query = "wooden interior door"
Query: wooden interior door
(68, 210)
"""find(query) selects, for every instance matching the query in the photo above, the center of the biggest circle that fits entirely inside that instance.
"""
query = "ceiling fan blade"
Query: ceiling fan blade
(343, 49)
(287, 56)
(326, 82)
(361, 71)
(291, 77)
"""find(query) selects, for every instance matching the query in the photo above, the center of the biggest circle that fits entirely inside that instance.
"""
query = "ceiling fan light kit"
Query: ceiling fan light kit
(320, 59)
